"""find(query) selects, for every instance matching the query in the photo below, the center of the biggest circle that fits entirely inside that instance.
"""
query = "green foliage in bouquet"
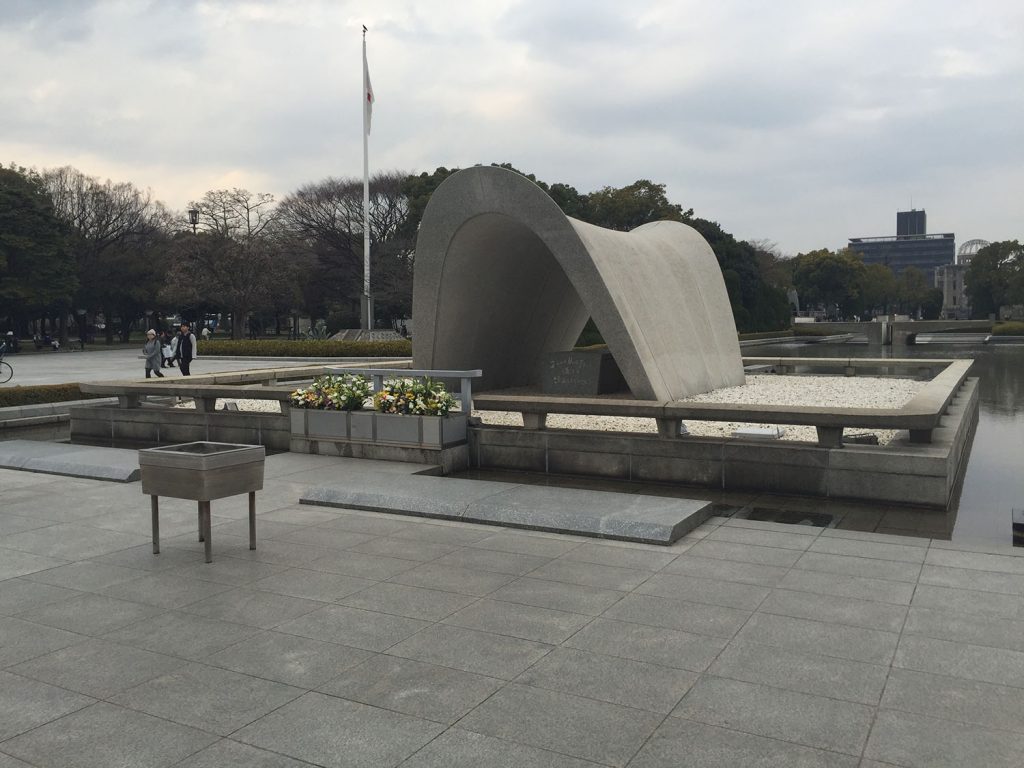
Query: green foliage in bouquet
(415, 397)
(334, 393)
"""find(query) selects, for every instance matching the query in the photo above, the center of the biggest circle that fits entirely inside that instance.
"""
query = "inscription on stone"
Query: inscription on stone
(581, 373)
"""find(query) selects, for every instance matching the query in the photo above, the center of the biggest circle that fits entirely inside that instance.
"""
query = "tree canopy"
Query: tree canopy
(36, 268)
(995, 277)
(106, 247)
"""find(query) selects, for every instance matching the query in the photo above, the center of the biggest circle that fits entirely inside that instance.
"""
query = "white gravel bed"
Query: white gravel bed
(764, 389)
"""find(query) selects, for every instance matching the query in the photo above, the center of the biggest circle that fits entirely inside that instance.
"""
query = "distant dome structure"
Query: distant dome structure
(968, 249)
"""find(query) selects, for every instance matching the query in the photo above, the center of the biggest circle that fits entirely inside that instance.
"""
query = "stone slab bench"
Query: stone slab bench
(620, 516)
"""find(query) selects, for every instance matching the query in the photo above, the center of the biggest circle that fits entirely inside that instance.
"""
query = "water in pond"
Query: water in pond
(993, 483)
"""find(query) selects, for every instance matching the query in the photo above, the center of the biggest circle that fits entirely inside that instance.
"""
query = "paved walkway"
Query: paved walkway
(101, 365)
(361, 639)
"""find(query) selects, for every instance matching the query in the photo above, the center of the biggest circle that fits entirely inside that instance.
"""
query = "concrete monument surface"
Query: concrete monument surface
(503, 278)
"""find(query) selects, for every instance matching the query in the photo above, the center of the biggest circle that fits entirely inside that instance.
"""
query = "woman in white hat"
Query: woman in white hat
(151, 351)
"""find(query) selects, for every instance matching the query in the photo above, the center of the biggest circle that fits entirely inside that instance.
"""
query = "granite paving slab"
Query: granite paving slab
(813, 721)
(369, 630)
(527, 622)
(213, 699)
(338, 733)
(231, 754)
(291, 659)
(615, 680)
(413, 602)
(114, 464)
(413, 687)
(97, 668)
(456, 748)
(654, 645)
(917, 741)
(471, 650)
(22, 640)
(584, 728)
(803, 672)
(17, 595)
(26, 704)
(966, 701)
(104, 735)
(182, 635)
(622, 516)
(711, 747)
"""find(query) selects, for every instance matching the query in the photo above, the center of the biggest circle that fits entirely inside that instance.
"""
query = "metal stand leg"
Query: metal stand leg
(252, 519)
(200, 516)
(204, 516)
(154, 505)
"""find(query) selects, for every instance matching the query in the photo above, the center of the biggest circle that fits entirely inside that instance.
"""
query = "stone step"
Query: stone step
(119, 465)
(621, 516)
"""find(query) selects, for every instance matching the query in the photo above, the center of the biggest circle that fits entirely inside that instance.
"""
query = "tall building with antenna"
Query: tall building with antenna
(911, 247)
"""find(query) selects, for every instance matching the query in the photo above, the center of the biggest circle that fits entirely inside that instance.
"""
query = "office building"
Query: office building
(911, 247)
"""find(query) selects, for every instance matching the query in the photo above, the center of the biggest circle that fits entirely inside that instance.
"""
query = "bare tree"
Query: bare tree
(325, 220)
(112, 224)
(234, 262)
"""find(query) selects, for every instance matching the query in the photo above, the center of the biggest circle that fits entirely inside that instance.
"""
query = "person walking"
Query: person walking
(187, 349)
(151, 351)
(168, 343)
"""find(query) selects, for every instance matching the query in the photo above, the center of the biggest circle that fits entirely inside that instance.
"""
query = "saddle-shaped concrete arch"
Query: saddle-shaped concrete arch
(503, 277)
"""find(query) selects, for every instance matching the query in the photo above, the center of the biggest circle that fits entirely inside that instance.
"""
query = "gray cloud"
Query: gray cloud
(803, 122)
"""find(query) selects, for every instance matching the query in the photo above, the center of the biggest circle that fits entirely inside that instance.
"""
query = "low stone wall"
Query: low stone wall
(452, 459)
(115, 426)
(902, 472)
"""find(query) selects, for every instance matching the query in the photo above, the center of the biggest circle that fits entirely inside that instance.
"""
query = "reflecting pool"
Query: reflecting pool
(993, 482)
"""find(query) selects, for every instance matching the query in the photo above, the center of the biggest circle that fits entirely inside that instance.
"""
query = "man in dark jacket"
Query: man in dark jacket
(186, 351)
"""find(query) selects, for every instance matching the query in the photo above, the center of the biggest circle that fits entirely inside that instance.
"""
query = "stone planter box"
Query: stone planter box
(202, 470)
(374, 427)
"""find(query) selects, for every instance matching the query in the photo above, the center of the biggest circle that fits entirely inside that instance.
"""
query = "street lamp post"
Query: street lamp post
(193, 219)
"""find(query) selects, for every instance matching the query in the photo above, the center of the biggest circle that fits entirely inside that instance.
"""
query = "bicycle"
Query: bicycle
(6, 370)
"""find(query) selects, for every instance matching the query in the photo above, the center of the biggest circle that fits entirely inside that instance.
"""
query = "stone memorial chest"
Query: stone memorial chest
(581, 372)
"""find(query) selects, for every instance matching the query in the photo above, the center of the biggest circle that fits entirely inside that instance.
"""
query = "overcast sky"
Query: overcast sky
(798, 122)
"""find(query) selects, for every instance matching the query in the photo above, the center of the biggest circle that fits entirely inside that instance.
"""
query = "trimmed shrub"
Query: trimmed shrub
(1008, 328)
(42, 393)
(304, 348)
(767, 335)
(808, 329)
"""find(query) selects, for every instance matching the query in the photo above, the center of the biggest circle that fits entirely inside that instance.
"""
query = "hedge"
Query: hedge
(808, 329)
(304, 348)
(1009, 328)
(42, 393)
(766, 335)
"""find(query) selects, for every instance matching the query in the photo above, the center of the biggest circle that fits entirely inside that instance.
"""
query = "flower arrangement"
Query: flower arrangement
(333, 393)
(414, 397)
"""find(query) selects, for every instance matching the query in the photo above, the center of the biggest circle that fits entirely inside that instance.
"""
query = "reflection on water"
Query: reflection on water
(994, 481)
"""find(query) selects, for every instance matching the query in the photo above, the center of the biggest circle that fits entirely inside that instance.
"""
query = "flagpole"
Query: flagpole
(367, 301)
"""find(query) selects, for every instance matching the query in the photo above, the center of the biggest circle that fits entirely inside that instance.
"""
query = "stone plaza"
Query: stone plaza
(352, 638)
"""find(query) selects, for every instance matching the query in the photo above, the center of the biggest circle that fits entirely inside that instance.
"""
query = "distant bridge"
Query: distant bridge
(897, 332)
